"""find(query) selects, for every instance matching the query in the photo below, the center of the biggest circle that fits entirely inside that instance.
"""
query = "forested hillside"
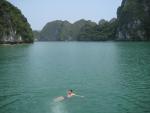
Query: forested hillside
(14, 27)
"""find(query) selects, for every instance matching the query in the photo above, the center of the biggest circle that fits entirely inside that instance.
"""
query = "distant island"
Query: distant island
(14, 27)
(132, 24)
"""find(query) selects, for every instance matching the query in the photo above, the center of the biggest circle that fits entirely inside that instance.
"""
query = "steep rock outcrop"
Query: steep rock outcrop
(61, 30)
(56, 31)
(14, 27)
(134, 20)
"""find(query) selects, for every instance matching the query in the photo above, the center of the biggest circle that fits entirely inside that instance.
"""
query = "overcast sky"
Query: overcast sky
(39, 12)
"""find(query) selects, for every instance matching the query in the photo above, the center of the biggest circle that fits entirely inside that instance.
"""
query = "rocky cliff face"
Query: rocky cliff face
(55, 31)
(14, 27)
(61, 30)
(134, 20)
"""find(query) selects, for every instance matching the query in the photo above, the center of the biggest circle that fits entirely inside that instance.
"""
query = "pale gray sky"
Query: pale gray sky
(39, 12)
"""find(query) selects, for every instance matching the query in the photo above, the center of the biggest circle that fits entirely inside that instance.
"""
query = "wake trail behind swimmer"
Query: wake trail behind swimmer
(58, 108)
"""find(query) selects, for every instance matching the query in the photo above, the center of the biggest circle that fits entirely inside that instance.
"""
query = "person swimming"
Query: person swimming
(61, 98)
(70, 94)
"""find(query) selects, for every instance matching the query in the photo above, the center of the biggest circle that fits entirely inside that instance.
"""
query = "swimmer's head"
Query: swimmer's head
(70, 91)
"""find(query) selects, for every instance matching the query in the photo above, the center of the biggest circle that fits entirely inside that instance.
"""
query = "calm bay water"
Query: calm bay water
(113, 77)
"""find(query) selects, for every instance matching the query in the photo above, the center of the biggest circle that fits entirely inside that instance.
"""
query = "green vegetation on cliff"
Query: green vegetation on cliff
(103, 31)
(62, 30)
(56, 31)
(14, 27)
(134, 20)
(132, 23)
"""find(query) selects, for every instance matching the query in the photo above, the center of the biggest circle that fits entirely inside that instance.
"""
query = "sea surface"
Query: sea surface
(113, 77)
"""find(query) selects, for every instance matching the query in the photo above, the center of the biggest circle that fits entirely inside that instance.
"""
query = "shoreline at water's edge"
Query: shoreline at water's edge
(19, 43)
(15, 43)
(99, 41)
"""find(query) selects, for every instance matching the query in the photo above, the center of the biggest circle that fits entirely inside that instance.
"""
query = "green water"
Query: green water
(113, 77)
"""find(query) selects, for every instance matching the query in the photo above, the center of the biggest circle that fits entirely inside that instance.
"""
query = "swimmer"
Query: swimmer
(70, 94)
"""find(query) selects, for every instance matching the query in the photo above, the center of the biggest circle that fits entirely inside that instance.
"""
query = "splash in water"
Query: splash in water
(58, 108)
